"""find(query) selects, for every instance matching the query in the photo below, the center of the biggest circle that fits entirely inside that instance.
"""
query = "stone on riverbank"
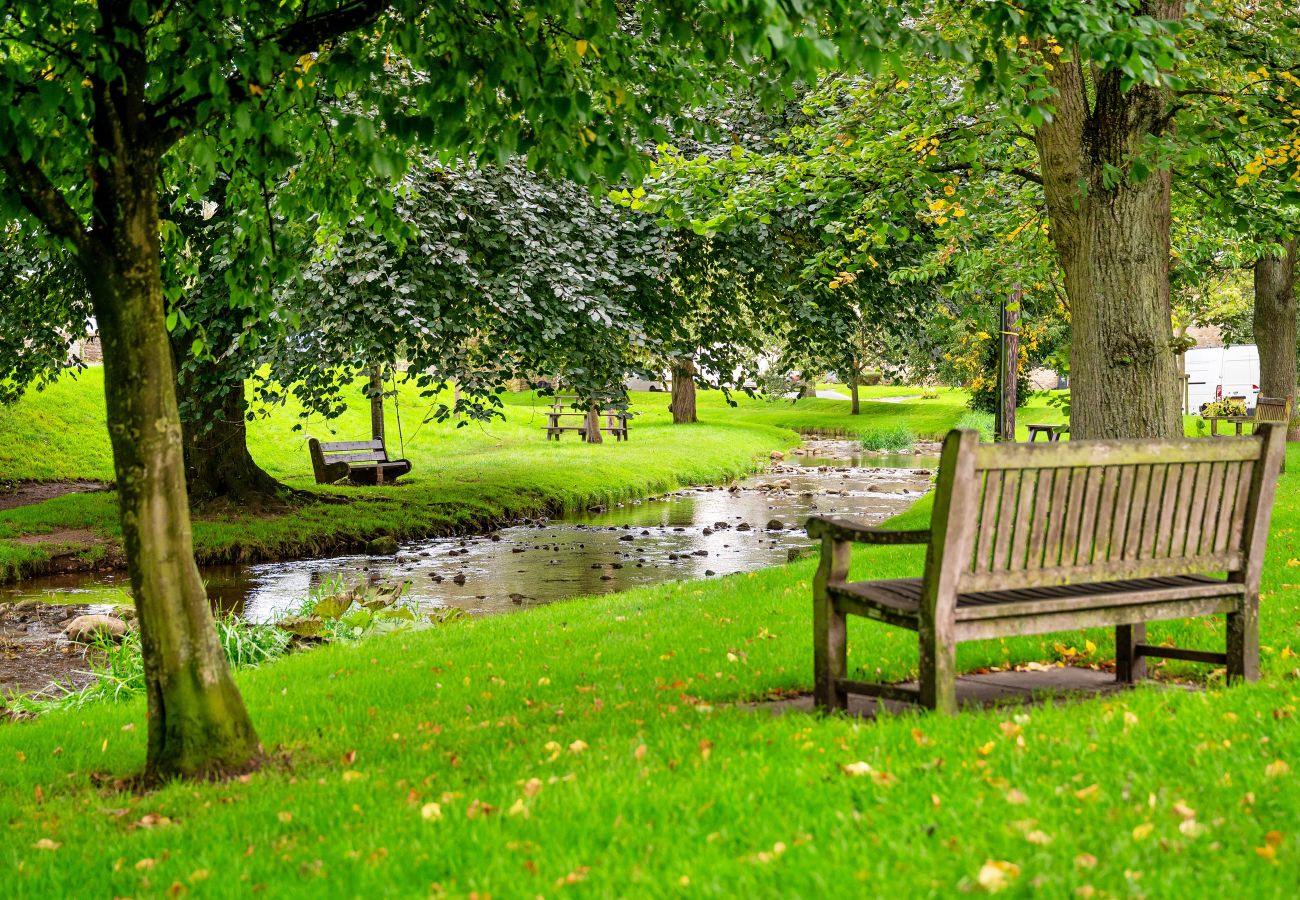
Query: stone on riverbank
(83, 629)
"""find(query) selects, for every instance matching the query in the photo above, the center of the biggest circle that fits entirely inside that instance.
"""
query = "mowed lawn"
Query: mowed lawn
(601, 747)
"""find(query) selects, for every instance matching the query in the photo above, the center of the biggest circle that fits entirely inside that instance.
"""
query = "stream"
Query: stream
(695, 532)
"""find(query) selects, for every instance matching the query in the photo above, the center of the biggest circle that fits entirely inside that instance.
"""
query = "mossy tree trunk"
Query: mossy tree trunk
(376, 394)
(196, 718)
(1275, 325)
(682, 405)
(1112, 238)
(218, 464)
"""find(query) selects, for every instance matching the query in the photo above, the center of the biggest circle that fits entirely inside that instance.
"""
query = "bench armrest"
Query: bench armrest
(844, 530)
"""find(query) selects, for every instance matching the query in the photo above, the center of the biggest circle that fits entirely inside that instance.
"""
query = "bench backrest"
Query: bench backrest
(353, 451)
(1273, 409)
(1034, 515)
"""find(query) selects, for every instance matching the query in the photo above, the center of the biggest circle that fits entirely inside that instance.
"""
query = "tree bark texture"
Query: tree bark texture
(592, 423)
(1275, 326)
(376, 393)
(682, 405)
(218, 464)
(1112, 237)
(197, 721)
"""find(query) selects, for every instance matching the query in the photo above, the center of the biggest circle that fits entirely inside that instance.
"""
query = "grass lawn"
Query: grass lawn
(595, 748)
(464, 479)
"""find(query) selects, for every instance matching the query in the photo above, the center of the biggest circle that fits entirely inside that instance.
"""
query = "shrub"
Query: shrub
(894, 440)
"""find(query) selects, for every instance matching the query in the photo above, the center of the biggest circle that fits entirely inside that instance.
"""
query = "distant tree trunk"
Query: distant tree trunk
(1112, 239)
(855, 405)
(218, 464)
(197, 721)
(592, 423)
(1275, 325)
(376, 404)
(682, 405)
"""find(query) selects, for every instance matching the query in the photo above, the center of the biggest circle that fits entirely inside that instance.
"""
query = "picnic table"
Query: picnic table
(1052, 432)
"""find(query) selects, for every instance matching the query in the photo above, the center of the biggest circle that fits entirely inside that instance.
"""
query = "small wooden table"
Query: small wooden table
(1053, 432)
(1239, 421)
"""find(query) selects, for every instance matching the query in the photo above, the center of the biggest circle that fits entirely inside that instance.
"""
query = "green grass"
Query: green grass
(595, 747)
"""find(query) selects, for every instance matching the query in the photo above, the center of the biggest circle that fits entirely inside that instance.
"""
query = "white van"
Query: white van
(1214, 372)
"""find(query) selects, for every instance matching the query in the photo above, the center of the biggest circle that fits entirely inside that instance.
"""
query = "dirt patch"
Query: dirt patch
(70, 550)
(25, 493)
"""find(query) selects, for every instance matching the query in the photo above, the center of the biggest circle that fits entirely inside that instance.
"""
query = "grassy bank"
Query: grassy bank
(464, 479)
(596, 748)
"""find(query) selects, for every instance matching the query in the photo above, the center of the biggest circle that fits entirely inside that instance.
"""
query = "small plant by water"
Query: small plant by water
(978, 421)
(890, 440)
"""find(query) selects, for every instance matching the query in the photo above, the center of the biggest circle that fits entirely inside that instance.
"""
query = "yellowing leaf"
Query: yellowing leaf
(46, 844)
(1277, 768)
(996, 874)
(578, 746)
(581, 47)
(352, 775)
(431, 812)
(1143, 831)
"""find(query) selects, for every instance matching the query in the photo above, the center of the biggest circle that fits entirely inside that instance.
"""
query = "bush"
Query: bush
(894, 440)
(978, 421)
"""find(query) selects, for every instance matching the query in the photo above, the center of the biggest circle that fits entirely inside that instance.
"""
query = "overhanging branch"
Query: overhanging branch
(172, 119)
(1027, 174)
(42, 198)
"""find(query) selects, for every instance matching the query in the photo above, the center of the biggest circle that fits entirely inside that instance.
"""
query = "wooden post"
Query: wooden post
(376, 404)
(1008, 364)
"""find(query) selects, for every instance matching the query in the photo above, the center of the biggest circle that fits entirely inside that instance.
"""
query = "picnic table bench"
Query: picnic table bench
(616, 420)
(1051, 432)
(1267, 409)
(361, 462)
(1035, 538)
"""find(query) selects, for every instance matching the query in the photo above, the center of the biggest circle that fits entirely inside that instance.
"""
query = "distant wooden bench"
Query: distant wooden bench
(361, 462)
(616, 420)
(1035, 538)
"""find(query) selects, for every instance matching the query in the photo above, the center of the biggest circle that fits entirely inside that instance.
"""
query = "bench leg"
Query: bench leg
(830, 630)
(830, 656)
(1129, 667)
(1243, 642)
(938, 675)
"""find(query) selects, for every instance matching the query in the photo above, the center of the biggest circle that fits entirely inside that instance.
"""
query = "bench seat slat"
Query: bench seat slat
(899, 599)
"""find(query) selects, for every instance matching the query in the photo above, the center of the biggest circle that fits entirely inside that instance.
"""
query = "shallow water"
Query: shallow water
(693, 533)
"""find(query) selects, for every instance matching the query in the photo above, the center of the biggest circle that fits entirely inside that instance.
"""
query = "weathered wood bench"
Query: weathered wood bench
(1035, 538)
(360, 462)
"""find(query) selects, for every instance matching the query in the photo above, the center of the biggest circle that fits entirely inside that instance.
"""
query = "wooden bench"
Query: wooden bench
(361, 462)
(1035, 538)
(1051, 432)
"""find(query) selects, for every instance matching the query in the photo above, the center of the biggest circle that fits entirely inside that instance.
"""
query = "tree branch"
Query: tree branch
(46, 202)
(173, 122)
(1027, 174)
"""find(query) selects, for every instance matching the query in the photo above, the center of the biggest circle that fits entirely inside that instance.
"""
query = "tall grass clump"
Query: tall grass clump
(890, 440)
(978, 421)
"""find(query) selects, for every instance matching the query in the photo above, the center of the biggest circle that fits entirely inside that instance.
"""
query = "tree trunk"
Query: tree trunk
(806, 388)
(376, 393)
(682, 405)
(1112, 238)
(218, 464)
(592, 424)
(197, 721)
(1275, 326)
(855, 403)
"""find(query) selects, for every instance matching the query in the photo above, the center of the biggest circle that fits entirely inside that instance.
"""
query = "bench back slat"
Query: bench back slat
(368, 456)
(1080, 512)
(343, 446)
(1272, 409)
